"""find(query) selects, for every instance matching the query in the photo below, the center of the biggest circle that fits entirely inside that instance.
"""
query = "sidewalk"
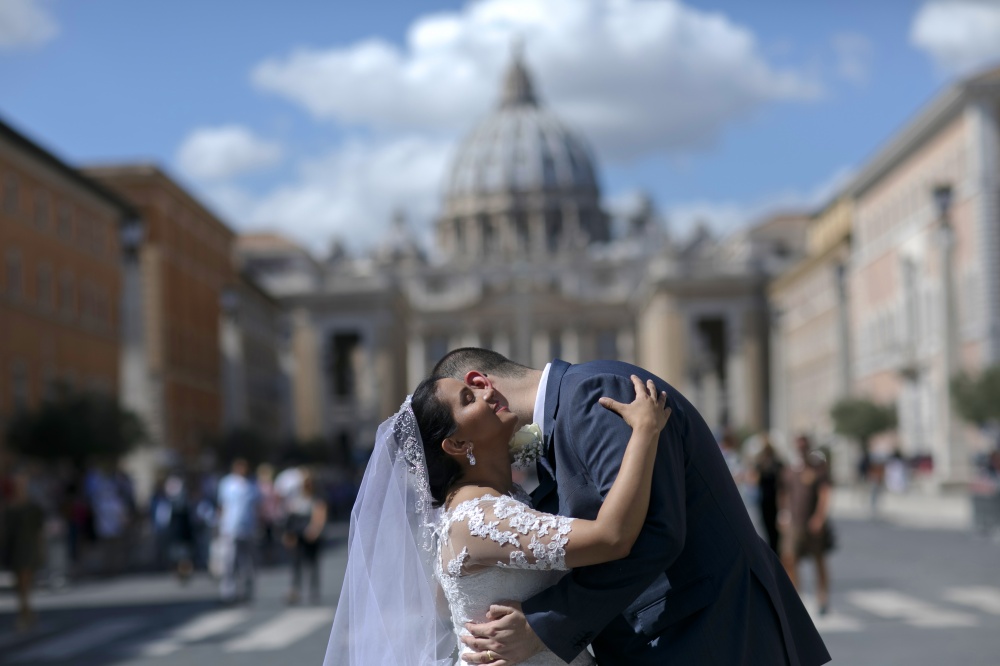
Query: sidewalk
(916, 508)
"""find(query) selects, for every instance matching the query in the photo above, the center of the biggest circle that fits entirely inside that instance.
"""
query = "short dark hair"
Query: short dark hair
(435, 423)
(460, 361)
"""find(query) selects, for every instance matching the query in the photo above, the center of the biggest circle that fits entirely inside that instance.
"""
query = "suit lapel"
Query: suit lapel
(547, 462)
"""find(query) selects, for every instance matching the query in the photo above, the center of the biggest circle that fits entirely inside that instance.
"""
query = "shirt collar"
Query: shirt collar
(539, 414)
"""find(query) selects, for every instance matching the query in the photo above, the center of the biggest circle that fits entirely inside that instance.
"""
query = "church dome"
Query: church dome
(520, 183)
(520, 147)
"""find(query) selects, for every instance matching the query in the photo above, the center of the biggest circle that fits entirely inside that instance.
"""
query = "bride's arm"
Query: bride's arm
(613, 533)
(487, 530)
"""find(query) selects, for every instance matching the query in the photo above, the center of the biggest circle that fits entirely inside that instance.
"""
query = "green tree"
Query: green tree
(76, 427)
(862, 419)
(977, 399)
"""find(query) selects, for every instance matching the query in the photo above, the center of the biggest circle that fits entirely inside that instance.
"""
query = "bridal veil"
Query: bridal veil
(391, 608)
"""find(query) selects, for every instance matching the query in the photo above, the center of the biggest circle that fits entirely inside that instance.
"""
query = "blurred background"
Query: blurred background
(234, 235)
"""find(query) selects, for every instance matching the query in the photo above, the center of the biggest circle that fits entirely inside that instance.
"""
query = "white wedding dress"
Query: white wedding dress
(497, 548)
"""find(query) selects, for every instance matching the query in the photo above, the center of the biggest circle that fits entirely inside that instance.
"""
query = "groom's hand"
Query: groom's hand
(506, 636)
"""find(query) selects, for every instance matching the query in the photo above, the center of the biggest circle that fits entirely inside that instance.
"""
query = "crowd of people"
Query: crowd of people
(791, 502)
(227, 525)
(71, 522)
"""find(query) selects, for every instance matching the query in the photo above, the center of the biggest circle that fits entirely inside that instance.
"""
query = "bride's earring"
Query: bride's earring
(468, 454)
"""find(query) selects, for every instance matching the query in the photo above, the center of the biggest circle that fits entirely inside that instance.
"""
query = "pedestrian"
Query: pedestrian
(303, 535)
(22, 545)
(768, 469)
(110, 516)
(804, 505)
(896, 475)
(272, 512)
(239, 502)
(180, 527)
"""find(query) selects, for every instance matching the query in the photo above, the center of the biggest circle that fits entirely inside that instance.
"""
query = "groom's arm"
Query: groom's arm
(569, 615)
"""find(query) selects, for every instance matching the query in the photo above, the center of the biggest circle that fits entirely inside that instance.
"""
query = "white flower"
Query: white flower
(526, 445)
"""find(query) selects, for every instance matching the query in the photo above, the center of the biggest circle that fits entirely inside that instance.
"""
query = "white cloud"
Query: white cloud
(959, 35)
(216, 153)
(854, 55)
(350, 193)
(728, 216)
(25, 23)
(634, 76)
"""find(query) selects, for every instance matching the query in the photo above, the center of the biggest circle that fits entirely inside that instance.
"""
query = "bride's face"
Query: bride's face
(481, 414)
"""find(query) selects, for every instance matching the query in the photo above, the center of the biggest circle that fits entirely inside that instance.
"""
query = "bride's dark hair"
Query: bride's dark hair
(436, 424)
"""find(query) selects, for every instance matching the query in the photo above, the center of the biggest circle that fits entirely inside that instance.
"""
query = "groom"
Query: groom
(699, 587)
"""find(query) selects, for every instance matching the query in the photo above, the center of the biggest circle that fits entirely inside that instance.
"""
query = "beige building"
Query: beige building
(811, 330)
(526, 262)
(925, 266)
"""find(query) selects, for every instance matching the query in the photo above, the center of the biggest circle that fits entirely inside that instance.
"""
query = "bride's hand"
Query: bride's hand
(647, 412)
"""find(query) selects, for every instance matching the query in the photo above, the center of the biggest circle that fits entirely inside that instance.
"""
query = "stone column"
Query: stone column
(983, 149)
(416, 353)
(950, 460)
(540, 349)
(736, 375)
(501, 343)
(571, 345)
(571, 225)
(626, 345)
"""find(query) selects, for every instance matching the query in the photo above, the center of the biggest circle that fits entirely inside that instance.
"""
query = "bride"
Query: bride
(440, 531)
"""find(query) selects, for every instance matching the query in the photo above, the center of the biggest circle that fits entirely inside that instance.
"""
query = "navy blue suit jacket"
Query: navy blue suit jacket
(700, 587)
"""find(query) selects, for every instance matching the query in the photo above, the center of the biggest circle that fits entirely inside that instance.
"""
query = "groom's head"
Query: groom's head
(460, 362)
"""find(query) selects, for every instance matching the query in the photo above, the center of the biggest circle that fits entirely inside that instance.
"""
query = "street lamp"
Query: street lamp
(942, 199)
(131, 233)
(229, 300)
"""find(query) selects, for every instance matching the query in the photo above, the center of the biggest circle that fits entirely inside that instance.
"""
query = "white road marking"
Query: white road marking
(283, 630)
(81, 640)
(831, 623)
(897, 606)
(982, 597)
(198, 629)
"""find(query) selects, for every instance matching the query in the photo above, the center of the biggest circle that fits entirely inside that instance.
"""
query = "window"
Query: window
(14, 271)
(64, 222)
(341, 363)
(44, 286)
(67, 294)
(42, 210)
(10, 194)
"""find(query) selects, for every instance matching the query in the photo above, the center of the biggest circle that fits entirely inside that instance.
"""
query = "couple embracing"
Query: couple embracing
(635, 543)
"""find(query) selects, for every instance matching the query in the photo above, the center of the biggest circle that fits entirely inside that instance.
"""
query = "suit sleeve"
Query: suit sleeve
(568, 615)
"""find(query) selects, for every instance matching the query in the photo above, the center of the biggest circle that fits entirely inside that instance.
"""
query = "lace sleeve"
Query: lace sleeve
(502, 532)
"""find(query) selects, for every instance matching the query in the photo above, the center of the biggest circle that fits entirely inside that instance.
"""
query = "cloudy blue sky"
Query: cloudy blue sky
(319, 118)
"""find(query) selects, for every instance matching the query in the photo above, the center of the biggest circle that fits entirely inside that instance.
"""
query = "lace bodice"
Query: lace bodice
(497, 548)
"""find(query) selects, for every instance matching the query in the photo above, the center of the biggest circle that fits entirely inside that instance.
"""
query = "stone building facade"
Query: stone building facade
(925, 280)
(526, 262)
(811, 355)
(901, 289)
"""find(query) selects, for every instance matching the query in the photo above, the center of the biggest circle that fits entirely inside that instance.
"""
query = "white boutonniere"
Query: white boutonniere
(527, 445)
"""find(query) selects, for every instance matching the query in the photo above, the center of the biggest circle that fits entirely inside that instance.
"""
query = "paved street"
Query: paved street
(902, 596)
(151, 620)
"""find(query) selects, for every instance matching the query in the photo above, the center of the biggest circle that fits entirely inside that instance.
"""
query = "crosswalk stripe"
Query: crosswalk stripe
(198, 629)
(283, 630)
(833, 621)
(983, 598)
(897, 606)
(79, 641)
